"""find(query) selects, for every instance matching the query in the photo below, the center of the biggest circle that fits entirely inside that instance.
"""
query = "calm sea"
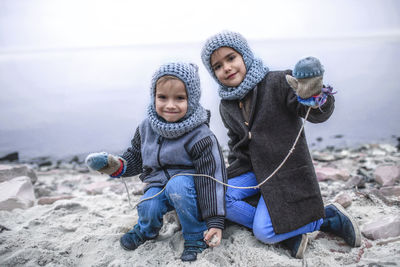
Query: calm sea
(64, 102)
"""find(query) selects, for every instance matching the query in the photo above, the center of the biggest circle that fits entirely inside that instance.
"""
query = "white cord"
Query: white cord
(232, 186)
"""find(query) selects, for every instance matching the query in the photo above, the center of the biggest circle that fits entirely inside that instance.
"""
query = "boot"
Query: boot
(192, 247)
(132, 239)
(340, 223)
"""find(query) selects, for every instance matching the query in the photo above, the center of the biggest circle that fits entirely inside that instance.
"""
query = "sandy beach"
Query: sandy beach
(83, 227)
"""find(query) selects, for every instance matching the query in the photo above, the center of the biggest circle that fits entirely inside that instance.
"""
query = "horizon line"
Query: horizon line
(22, 51)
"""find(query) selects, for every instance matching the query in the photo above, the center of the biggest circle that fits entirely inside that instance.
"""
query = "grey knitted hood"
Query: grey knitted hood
(255, 69)
(195, 115)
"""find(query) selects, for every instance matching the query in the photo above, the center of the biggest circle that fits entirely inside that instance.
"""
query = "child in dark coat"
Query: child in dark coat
(262, 111)
(173, 139)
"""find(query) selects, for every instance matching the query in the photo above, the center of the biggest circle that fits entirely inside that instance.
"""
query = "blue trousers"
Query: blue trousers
(257, 218)
(179, 194)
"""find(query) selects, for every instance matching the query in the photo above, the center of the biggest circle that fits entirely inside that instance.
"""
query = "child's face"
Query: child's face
(228, 66)
(171, 100)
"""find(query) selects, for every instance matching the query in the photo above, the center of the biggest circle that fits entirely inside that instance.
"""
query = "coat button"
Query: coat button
(246, 123)
(240, 104)
(249, 135)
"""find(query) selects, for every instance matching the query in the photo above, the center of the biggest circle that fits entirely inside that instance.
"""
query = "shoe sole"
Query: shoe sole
(302, 247)
(353, 222)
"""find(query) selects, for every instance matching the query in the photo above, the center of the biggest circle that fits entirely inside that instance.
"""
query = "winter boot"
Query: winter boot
(132, 239)
(340, 223)
(192, 247)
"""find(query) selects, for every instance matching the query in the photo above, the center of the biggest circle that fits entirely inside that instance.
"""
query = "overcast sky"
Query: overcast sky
(42, 24)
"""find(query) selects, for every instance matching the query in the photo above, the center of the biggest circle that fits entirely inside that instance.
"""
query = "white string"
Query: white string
(228, 185)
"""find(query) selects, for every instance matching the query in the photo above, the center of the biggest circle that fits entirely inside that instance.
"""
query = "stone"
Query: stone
(323, 157)
(387, 175)
(10, 157)
(390, 191)
(328, 173)
(343, 199)
(51, 200)
(138, 188)
(41, 161)
(384, 227)
(97, 187)
(16, 193)
(388, 148)
(355, 181)
(8, 172)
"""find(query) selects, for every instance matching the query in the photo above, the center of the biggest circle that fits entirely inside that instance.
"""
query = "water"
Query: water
(74, 101)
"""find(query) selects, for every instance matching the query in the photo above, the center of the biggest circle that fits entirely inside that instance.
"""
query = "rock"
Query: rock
(378, 152)
(328, 173)
(75, 159)
(323, 157)
(390, 191)
(134, 187)
(386, 175)
(97, 188)
(43, 191)
(51, 200)
(16, 193)
(343, 199)
(365, 174)
(355, 181)
(368, 164)
(8, 172)
(10, 157)
(82, 169)
(42, 161)
(3, 228)
(388, 148)
(138, 188)
(384, 227)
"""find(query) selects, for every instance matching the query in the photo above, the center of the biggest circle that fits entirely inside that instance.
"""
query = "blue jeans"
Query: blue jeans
(257, 218)
(179, 194)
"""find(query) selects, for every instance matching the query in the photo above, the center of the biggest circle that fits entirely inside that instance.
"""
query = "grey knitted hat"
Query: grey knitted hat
(255, 69)
(195, 115)
(188, 74)
(307, 68)
(228, 39)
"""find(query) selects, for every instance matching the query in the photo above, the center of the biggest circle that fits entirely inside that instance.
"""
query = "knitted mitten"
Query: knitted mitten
(307, 87)
(307, 77)
(106, 163)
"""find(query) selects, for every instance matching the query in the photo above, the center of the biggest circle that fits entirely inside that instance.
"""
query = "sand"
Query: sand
(85, 231)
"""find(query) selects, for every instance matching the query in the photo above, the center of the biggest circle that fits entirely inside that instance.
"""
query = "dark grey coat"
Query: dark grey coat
(292, 195)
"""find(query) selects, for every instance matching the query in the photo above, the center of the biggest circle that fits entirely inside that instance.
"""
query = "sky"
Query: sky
(56, 24)
(64, 62)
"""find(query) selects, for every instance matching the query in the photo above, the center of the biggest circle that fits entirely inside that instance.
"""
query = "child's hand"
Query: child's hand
(106, 163)
(213, 237)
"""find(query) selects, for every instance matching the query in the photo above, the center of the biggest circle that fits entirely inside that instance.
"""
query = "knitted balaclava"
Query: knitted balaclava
(255, 70)
(195, 115)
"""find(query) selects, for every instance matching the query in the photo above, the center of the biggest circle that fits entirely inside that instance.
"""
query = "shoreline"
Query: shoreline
(77, 218)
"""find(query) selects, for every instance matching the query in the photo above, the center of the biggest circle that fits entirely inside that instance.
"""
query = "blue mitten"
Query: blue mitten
(106, 163)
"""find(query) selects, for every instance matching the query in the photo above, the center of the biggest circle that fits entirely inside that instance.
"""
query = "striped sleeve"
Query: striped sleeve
(207, 159)
(133, 157)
